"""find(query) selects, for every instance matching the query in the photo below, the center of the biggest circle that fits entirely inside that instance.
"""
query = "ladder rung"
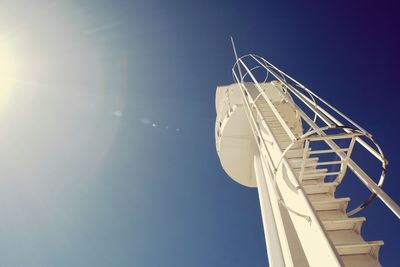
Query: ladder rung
(295, 153)
(360, 248)
(344, 224)
(328, 151)
(333, 204)
(320, 188)
(278, 127)
(308, 175)
(316, 171)
(332, 137)
(328, 163)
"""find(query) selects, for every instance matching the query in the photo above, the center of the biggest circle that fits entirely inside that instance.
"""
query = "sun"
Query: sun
(7, 70)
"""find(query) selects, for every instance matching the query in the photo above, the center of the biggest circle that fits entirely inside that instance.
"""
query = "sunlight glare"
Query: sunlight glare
(7, 70)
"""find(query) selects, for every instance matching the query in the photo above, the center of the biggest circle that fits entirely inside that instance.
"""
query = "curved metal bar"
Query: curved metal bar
(308, 136)
(372, 196)
(327, 117)
(256, 67)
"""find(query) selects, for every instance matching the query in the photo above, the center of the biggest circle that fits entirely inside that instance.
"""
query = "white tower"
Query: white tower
(275, 134)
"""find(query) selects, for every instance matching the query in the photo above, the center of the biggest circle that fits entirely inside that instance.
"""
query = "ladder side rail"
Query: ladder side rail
(314, 233)
(309, 227)
(262, 146)
(277, 242)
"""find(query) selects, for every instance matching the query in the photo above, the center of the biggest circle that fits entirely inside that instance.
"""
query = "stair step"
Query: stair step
(345, 237)
(371, 247)
(281, 134)
(270, 117)
(262, 103)
(297, 162)
(325, 215)
(278, 128)
(295, 153)
(344, 224)
(360, 260)
(320, 188)
(266, 110)
(320, 197)
(316, 174)
(333, 204)
(276, 123)
(306, 169)
(277, 131)
(285, 144)
(282, 138)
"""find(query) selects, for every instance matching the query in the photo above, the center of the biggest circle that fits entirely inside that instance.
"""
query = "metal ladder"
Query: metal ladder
(304, 181)
(343, 231)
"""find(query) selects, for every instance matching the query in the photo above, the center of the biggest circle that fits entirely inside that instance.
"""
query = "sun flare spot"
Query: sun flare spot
(7, 71)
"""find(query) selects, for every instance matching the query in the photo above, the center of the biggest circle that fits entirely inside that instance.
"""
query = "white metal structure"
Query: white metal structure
(275, 134)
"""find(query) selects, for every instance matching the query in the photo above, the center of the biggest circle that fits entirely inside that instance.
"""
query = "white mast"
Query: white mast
(275, 134)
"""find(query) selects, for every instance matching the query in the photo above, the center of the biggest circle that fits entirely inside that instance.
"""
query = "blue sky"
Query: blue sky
(108, 155)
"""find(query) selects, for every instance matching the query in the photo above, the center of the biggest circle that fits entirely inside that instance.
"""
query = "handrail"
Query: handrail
(313, 136)
(337, 122)
(329, 119)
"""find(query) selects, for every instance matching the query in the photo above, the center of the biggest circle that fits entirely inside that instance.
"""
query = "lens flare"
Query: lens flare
(7, 71)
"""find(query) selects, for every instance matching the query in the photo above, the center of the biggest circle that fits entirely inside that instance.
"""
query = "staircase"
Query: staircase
(343, 231)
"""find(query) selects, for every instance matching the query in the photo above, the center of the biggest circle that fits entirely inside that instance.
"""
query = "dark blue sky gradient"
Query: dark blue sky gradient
(160, 196)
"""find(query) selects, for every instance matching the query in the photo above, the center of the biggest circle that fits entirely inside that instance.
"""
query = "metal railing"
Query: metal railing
(325, 124)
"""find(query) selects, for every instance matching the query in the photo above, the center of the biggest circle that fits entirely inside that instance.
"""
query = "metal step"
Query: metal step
(344, 224)
(320, 197)
(345, 237)
(315, 174)
(360, 260)
(333, 204)
(297, 162)
(275, 122)
(272, 117)
(281, 134)
(261, 103)
(284, 144)
(277, 128)
(320, 188)
(306, 169)
(282, 138)
(277, 131)
(295, 153)
(325, 215)
(371, 247)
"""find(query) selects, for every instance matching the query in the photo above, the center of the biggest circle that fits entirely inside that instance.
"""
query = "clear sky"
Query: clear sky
(107, 153)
